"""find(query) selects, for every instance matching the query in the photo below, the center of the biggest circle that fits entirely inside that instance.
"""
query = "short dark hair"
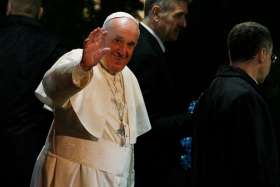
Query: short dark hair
(165, 4)
(246, 39)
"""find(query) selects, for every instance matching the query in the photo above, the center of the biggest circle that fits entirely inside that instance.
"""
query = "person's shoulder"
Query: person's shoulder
(146, 49)
(237, 85)
(242, 87)
(242, 91)
(147, 43)
(228, 89)
(74, 54)
(127, 71)
(47, 35)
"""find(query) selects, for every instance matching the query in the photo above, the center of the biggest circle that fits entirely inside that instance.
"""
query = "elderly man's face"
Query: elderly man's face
(122, 37)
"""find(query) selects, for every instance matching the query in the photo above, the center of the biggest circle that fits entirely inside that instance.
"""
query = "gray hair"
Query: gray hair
(164, 4)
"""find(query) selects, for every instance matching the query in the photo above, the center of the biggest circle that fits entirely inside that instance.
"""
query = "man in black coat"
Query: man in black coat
(234, 142)
(157, 153)
(26, 52)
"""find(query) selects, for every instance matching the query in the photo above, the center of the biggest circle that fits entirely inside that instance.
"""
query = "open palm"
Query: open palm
(94, 48)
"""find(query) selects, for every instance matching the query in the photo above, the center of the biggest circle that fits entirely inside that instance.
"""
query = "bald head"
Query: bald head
(31, 8)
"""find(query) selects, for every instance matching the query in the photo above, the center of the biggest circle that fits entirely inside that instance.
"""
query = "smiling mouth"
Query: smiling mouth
(118, 57)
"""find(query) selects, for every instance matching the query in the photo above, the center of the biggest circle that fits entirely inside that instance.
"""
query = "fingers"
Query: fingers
(94, 48)
(104, 51)
(96, 36)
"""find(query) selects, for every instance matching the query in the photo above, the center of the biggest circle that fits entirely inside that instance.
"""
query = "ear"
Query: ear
(262, 55)
(40, 12)
(9, 8)
(155, 12)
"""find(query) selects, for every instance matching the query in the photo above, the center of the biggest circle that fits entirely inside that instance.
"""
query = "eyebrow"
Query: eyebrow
(122, 38)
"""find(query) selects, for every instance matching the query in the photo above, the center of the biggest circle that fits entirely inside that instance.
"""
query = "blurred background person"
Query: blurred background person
(234, 142)
(157, 153)
(27, 50)
(3, 6)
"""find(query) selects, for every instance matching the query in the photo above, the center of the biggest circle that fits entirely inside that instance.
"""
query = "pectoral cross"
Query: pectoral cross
(121, 131)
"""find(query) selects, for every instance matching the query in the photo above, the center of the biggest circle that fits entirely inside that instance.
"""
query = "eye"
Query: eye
(117, 40)
(131, 44)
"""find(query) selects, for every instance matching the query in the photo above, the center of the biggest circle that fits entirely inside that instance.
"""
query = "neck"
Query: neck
(249, 68)
(153, 25)
(106, 69)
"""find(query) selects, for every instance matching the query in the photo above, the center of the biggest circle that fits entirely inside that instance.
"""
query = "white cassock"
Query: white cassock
(84, 147)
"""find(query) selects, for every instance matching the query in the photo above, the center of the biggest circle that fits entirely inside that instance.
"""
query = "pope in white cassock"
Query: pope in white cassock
(98, 111)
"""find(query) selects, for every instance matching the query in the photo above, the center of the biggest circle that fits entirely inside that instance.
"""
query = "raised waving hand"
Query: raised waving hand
(94, 48)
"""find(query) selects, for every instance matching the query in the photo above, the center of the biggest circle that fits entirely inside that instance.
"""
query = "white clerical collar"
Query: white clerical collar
(107, 74)
(255, 80)
(154, 34)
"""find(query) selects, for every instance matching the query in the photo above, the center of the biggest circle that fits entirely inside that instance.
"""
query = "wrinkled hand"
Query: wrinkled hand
(94, 48)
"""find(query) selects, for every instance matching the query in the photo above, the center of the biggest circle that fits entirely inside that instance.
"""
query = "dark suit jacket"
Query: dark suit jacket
(26, 52)
(156, 152)
(234, 142)
(271, 88)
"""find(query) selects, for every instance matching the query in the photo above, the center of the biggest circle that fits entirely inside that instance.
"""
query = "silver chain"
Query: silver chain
(120, 107)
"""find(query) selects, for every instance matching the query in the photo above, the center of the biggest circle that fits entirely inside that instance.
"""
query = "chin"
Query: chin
(117, 69)
(119, 64)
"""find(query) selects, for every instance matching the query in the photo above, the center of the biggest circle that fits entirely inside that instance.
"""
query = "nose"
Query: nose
(122, 50)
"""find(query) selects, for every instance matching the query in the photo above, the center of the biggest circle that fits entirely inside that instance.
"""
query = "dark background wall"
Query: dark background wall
(201, 47)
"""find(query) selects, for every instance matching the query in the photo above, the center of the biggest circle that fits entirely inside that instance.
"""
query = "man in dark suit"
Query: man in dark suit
(157, 153)
(26, 52)
(234, 142)
(3, 6)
